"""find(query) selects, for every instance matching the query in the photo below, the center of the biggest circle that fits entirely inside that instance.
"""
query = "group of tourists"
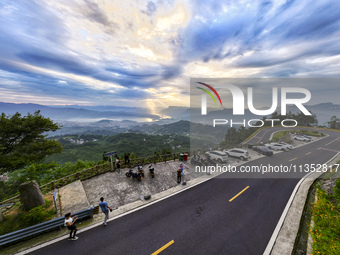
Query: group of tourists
(105, 208)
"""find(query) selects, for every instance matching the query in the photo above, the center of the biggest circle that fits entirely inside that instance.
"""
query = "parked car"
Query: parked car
(238, 153)
(263, 150)
(289, 146)
(302, 138)
(219, 156)
(276, 146)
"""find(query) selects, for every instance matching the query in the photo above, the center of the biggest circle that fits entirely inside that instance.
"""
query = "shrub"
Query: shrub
(326, 228)
(337, 191)
(36, 215)
(23, 219)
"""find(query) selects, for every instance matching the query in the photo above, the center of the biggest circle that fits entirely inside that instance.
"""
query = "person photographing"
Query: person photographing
(70, 224)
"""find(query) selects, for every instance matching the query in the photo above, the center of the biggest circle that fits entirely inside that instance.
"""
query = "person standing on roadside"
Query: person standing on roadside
(70, 224)
(118, 165)
(126, 157)
(105, 209)
(179, 176)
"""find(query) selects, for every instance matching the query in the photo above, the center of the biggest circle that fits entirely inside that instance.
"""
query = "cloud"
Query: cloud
(131, 51)
(151, 8)
(264, 29)
(93, 12)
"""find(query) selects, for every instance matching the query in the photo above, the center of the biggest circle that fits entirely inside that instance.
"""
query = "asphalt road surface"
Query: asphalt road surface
(215, 217)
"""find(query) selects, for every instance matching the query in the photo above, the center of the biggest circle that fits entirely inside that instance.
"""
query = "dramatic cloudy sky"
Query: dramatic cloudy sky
(143, 53)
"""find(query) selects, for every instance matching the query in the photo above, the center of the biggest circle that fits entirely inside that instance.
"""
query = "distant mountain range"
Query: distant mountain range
(323, 111)
(78, 113)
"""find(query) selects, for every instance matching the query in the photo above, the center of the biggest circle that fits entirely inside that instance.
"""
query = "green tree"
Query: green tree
(305, 120)
(231, 138)
(334, 123)
(23, 140)
(165, 151)
(301, 118)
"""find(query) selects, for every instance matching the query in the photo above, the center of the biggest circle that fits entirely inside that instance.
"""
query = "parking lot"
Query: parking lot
(254, 154)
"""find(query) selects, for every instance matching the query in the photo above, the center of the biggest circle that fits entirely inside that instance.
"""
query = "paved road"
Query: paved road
(201, 220)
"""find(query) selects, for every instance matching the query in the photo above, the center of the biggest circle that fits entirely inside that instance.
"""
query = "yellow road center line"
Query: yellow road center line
(308, 153)
(163, 248)
(320, 148)
(262, 136)
(332, 141)
(239, 193)
(292, 159)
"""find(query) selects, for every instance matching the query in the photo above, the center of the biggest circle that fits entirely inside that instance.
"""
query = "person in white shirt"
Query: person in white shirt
(70, 224)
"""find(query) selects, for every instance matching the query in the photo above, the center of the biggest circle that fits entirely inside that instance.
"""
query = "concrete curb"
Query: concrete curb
(283, 238)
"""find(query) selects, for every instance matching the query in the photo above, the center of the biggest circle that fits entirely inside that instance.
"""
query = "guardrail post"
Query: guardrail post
(52, 186)
(97, 170)
(78, 176)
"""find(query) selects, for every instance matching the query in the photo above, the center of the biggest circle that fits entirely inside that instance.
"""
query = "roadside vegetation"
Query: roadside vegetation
(282, 134)
(325, 215)
(320, 223)
(41, 173)
(92, 147)
(19, 218)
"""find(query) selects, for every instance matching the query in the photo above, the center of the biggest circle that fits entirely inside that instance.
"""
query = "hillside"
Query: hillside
(92, 147)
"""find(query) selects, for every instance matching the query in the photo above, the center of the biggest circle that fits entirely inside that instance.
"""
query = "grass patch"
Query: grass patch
(279, 135)
(311, 133)
(325, 233)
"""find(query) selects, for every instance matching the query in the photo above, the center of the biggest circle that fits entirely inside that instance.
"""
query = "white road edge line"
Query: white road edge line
(272, 240)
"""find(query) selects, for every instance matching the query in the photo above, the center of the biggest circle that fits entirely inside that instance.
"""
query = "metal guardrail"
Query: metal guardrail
(41, 228)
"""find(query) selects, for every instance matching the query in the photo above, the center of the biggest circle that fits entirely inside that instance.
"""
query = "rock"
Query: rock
(30, 195)
(147, 197)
